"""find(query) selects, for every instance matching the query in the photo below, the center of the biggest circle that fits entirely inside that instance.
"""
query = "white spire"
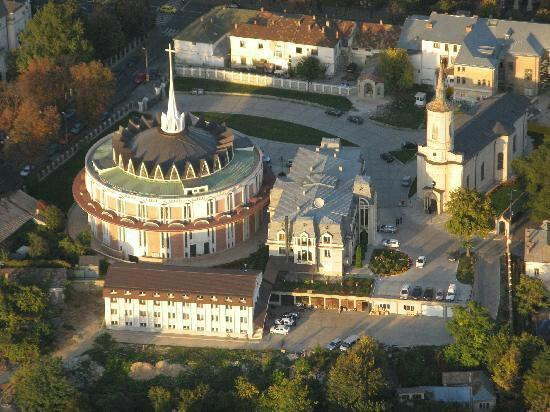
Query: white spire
(172, 121)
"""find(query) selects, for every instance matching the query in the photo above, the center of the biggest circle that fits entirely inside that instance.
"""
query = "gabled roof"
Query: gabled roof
(494, 115)
(376, 36)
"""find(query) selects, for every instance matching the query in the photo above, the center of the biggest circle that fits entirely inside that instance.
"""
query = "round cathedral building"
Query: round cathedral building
(172, 186)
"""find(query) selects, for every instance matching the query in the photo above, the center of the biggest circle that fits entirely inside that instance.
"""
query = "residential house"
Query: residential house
(481, 56)
(279, 41)
(537, 253)
(472, 390)
(473, 150)
(13, 19)
(205, 42)
(319, 211)
(371, 39)
(181, 300)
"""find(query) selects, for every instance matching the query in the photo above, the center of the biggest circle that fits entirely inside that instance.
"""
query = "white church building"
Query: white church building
(472, 150)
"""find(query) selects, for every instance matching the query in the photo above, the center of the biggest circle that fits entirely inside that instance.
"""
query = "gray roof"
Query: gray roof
(537, 245)
(212, 26)
(515, 37)
(493, 118)
(460, 394)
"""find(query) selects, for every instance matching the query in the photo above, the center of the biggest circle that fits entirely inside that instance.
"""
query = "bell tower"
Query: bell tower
(440, 126)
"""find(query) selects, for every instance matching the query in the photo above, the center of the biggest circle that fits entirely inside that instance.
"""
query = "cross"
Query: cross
(170, 51)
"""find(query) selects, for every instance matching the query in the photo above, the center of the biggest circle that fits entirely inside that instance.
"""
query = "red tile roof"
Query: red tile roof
(376, 36)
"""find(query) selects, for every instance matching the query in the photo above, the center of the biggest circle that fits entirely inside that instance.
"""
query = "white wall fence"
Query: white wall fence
(60, 159)
(263, 80)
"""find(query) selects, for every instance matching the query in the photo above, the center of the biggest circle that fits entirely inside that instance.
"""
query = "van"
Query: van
(348, 342)
(451, 293)
(404, 294)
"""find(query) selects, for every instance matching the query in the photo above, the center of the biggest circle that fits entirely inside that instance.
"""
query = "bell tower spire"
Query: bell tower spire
(172, 121)
(440, 127)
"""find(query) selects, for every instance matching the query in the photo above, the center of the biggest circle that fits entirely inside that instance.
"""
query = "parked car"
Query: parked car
(405, 290)
(279, 330)
(393, 243)
(3, 137)
(294, 315)
(77, 128)
(420, 261)
(439, 295)
(428, 294)
(409, 146)
(285, 321)
(355, 119)
(387, 229)
(453, 256)
(387, 157)
(334, 112)
(25, 171)
(406, 181)
(234, 6)
(348, 342)
(416, 293)
(139, 78)
(334, 344)
(451, 293)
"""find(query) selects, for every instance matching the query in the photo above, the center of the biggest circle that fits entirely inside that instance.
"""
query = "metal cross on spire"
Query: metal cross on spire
(172, 121)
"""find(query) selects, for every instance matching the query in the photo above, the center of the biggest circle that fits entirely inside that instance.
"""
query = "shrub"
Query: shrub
(389, 262)
(358, 257)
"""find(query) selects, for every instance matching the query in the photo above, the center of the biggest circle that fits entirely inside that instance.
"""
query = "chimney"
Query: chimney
(262, 9)
(309, 27)
(327, 23)
(322, 29)
(429, 25)
(255, 21)
(468, 28)
(202, 19)
(299, 22)
(235, 26)
(284, 11)
(337, 34)
(313, 17)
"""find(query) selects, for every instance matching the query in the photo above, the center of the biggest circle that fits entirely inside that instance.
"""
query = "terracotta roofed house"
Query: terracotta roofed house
(372, 38)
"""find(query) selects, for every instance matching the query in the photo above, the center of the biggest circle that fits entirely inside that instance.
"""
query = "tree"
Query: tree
(53, 218)
(533, 169)
(471, 215)
(192, 400)
(542, 15)
(159, 397)
(471, 328)
(536, 386)
(394, 65)
(506, 373)
(54, 32)
(531, 295)
(105, 33)
(38, 246)
(42, 386)
(93, 87)
(277, 397)
(358, 257)
(44, 82)
(310, 69)
(247, 393)
(488, 8)
(134, 16)
(358, 379)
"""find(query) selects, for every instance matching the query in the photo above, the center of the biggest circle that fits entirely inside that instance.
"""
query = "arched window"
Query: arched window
(164, 213)
(187, 211)
(210, 207)
(304, 239)
(500, 161)
(230, 201)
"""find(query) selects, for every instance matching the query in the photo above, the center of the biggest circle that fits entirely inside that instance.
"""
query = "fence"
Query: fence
(62, 158)
(263, 80)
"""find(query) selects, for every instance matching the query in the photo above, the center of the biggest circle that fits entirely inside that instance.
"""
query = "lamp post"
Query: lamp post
(509, 256)
(146, 65)
(66, 126)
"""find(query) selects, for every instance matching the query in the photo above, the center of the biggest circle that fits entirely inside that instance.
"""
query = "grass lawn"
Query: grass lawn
(270, 129)
(403, 155)
(465, 270)
(409, 116)
(57, 188)
(500, 198)
(538, 133)
(257, 260)
(188, 83)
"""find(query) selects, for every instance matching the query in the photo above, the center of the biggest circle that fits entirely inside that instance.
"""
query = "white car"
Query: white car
(405, 290)
(394, 243)
(25, 171)
(451, 293)
(420, 261)
(279, 330)
(285, 321)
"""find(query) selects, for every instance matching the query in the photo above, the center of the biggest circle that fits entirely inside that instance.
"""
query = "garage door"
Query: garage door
(432, 310)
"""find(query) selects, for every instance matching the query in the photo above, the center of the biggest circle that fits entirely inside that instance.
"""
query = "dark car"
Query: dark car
(416, 293)
(428, 294)
(386, 157)
(132, 61)
(77, 128)
(139, 78)
(355, 119)
(409, 146)
(334, 112)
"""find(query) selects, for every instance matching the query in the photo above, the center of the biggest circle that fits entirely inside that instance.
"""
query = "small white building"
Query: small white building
(537, 253)
(13, 19)
(279, 41)
(184, 300)
(322, 207)
(205, 42)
